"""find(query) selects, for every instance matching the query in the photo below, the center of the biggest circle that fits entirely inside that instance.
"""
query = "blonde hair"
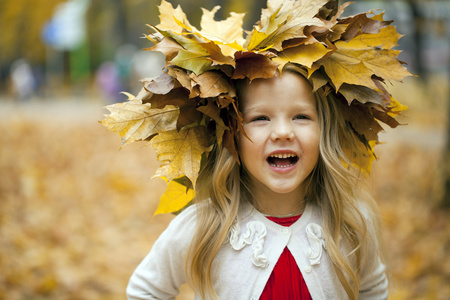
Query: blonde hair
(332, 185)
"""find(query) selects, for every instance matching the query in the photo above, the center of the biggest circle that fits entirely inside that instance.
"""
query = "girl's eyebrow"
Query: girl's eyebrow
(263, 106)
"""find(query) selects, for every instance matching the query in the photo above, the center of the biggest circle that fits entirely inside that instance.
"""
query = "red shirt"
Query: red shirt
(286, 280)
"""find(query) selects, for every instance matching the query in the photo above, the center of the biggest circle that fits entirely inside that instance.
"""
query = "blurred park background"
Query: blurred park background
(76, 214)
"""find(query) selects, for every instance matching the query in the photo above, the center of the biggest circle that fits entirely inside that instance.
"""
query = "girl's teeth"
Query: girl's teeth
(283, 155)
(282, 160)
(281, 166)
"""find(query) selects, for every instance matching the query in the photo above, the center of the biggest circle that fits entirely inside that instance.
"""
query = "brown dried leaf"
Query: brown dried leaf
(181, 152)
(161, 84)
(360, 93)
(168, 46)
(213, 111)
(216, 55)
(177, 97)
(213, 83)
(185, 80)
(362, 24)
(189, 114)
(253, 65)
(135, 121)
(361, 118)
(224, 100)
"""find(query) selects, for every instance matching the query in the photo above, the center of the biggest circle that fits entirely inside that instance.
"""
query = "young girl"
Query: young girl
(279, 211)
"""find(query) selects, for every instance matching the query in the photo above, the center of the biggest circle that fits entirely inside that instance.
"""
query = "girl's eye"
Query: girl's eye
(260, 118)
(301, 117)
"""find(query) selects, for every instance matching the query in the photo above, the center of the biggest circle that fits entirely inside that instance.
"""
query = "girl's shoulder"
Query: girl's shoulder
(187, 217)
(182, 227)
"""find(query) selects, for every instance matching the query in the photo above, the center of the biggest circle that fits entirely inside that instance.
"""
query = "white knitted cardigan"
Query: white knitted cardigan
(244, 264)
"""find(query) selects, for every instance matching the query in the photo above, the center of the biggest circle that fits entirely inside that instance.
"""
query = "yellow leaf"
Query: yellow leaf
(189, 43)
(130, 96)
(181, 152)
(363, 158)
(226, 34)
(135, 121)
(342, 67)
(396, 107)
(230, 49)
(284, 20)
(195, 61)
(175, 198)
(226, 31)
(258, 35)
(384, 63)
(213, 83)
(168, 46)
(167, 14)
(216, 53)
(304, 55)
(387, 38)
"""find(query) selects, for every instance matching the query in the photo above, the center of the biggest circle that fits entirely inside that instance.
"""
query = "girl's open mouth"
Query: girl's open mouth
(282, 160)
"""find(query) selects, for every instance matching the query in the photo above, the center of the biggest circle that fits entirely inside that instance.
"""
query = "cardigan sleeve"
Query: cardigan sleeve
(374, 282)
(162, 272)
(374, 285)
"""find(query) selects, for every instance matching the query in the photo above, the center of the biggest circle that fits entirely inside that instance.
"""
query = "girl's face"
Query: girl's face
(281, 120)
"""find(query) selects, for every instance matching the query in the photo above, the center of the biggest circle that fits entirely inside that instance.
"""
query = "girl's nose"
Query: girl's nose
(282, 131)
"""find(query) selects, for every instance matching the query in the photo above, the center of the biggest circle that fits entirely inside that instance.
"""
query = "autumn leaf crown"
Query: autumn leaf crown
(192, 104)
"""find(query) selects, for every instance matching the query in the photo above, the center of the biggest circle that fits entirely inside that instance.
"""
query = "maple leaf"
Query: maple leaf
(382, 116)
(178, 97)
(341, 67)
(395, 107)
(362, 121)
(195, 61)
(217, 56)
(318, 79)
(383, 63)
(213, 83)
(360, 24)
(226, 34)
(168, 46)
(174, 198)
(135, 121)
(189, 114)
(363, 157)
(284, 20)
(167, 16)
(181, 152)
(304, 55)
(213, 111)
(387, 38)
(224, 100)
(330, 17)
(361, 93)
(185, 80)
(253, 65)
(161, 84)
(226, 31)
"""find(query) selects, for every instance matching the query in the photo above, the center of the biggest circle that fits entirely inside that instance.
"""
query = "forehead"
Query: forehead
(288, 89)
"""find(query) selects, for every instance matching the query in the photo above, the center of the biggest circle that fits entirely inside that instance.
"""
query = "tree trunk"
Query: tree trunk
(446, 163)
(418, 49)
